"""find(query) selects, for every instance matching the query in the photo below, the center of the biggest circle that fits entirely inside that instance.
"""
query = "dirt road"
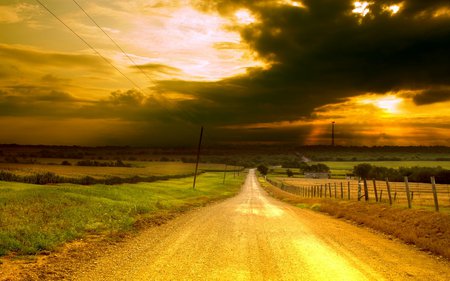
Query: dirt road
(255, 237)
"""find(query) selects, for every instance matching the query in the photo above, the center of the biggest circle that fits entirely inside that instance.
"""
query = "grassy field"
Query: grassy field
(34, 218)
(142, 169)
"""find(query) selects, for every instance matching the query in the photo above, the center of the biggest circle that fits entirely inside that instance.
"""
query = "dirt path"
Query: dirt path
(255, 237)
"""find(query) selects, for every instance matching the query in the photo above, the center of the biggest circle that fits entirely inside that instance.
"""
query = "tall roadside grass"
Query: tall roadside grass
(428, 230)
(35, 218)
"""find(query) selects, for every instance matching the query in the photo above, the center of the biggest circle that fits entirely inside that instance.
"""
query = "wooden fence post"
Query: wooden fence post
(321, 191)
(433, 188)
(342, 191)
(335, 191)
(366, 191)
(389, 191)
(348, 190)
(329, 189)
(381, 196)
(408, 195)
(375, 189)
(325, 190)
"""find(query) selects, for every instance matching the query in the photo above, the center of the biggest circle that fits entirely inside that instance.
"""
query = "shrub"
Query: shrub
(362, 170)
(414, 174)
(315, 168)
(263, 169)
(289, 173)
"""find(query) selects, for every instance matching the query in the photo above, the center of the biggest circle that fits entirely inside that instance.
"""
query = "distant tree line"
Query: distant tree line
(117, 163)
(52, 178)
(315, 168)
(414, 174)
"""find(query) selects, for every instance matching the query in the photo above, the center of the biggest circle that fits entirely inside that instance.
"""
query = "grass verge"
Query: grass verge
(427, 230)
(36, 218)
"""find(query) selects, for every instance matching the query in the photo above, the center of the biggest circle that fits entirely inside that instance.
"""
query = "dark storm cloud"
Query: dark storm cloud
(322, 54)
(319, 55)
(28, 57)
(131, 105)
(29, 100)
(432, 96)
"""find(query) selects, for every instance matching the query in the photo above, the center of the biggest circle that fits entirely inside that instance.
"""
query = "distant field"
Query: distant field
(39, 217)
(339, 169)
(142, 169)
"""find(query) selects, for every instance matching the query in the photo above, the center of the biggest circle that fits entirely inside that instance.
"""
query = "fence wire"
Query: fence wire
(421, 194)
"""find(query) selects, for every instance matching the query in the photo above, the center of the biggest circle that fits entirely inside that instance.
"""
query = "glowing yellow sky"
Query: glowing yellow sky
(375, 120)
(190, 44)
(175, 41)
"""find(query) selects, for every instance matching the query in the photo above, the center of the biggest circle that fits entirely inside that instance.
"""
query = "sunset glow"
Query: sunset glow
(393, 9)
(361, 8)
(389, 104)
(245, 17)
(152, 72)
(298, 4)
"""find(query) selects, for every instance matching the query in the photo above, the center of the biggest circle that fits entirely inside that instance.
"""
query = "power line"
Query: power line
(112, 40)
(89, 45)
(164, 107)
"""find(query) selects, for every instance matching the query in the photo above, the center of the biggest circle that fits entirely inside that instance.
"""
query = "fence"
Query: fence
(405, 193)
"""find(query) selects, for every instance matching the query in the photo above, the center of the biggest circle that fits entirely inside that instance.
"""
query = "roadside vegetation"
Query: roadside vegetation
(35, 218)
(102, 174)
(414, 174)
(425, 229)
(417, 171)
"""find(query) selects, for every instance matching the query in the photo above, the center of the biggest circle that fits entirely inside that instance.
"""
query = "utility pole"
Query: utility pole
(225, 173)
(198, 156)
(332, 133)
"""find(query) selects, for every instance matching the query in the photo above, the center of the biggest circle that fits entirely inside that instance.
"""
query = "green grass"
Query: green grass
(140, 168)
(35, 218)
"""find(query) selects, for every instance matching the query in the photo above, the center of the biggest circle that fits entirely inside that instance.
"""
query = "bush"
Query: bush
(315, 168)
(289, 173)
(262, 169)
(66, 163)
(414, 174)
(92, 163)
(87, 180)
(362, 170)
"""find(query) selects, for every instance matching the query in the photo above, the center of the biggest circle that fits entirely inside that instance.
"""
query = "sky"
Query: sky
(150, 73)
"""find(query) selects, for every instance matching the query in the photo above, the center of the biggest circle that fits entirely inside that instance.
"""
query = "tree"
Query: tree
(263, 170)
(362, 170)
(304, 167)
(320, 168)
(289, 173)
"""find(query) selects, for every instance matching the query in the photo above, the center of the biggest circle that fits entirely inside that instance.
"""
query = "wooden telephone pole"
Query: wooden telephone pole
(198, 156)
(332, 133)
